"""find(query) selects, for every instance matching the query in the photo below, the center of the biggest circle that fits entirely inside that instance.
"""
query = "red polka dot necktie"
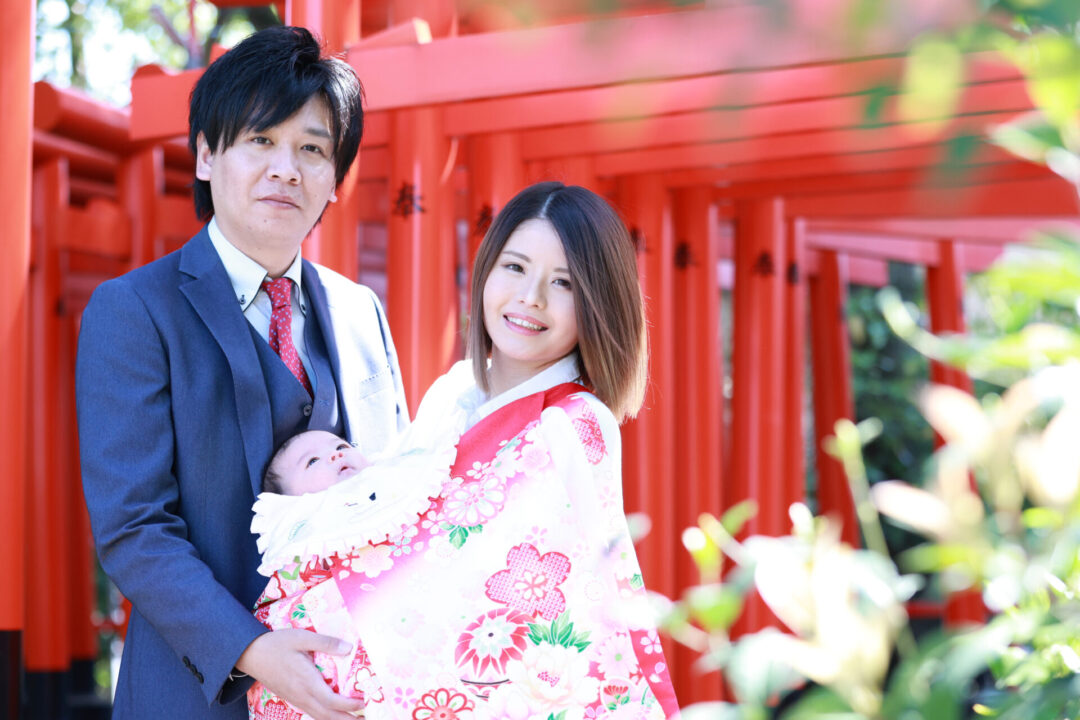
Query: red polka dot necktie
(280, 292)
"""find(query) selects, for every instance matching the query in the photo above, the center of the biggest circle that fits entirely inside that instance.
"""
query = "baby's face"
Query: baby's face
(316, 460)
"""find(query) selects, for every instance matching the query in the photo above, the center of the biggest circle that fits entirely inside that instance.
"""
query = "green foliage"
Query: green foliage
(559, 632)
(95, 45)
(1013, 536)
(886, 375)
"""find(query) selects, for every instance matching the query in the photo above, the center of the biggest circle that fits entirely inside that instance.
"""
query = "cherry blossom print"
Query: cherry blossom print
(592, 440)
(534, 459)
(536, 535)
(659, 673)
(278, 709)
(632, 711)
(404, 696)
(530, 581)
(478, 469)
(650, 643)
(402, 544)
(490, 642)
(372, 560)
(432, 522)
(441, 704)
(361, 681)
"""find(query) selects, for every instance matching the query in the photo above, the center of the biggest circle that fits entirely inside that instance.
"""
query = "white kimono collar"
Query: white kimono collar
(563, 371)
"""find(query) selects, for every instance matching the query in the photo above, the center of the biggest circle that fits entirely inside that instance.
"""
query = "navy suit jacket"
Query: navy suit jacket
(174, 432)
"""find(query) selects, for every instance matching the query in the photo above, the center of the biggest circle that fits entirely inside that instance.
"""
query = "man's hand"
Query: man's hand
(282, 661)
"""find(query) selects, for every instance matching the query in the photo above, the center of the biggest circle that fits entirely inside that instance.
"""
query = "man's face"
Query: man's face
(270, 187)
(316, 460)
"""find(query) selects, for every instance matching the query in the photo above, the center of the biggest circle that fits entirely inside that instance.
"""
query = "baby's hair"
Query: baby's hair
(271, 481)
(610, 314)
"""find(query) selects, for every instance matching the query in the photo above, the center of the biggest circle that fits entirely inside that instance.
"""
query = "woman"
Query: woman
(515, 592)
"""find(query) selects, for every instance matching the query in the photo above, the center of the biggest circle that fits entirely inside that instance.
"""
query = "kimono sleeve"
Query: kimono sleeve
(586, 449)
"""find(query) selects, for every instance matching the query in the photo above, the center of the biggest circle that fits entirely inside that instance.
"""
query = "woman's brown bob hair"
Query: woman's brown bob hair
(603, 276)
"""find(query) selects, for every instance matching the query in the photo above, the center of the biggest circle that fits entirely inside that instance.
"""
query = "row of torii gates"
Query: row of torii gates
(733, 146)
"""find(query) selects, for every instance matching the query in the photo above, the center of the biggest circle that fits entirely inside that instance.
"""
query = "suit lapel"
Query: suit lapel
(211, 296)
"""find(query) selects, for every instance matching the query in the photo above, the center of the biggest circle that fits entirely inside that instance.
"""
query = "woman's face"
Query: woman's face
(529, 303)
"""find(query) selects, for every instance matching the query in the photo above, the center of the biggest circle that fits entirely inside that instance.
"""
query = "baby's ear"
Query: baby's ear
(372, 497)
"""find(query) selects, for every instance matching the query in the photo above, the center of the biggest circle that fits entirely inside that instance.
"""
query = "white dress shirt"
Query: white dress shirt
(247, 277)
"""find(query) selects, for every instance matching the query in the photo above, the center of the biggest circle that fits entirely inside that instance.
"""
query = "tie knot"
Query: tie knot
(280, 291)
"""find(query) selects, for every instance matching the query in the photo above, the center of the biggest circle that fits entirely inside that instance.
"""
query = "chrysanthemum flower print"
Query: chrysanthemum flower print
(474, 503)
(490, 642)
(442, 704)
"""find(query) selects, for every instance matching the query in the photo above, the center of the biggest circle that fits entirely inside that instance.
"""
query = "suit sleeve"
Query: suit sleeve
(392, 361)
(127, 438)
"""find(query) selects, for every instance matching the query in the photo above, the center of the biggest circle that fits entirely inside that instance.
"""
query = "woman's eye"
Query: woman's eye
(514, 267)
(562, 282)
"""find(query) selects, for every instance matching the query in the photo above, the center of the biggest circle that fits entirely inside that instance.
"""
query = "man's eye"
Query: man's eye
(260, 140)
(314, 149)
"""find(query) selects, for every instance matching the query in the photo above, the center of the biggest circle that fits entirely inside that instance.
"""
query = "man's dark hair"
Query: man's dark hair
(262, 82)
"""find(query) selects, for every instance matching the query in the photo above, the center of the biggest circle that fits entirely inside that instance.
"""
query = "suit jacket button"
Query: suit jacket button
(307, 411)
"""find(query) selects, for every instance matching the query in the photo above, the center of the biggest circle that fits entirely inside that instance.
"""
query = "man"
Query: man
(191, 371)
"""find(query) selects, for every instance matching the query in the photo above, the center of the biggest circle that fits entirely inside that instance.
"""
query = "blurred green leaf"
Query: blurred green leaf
(1051, 63)
(713, 711)
(820, 703)
(757, 671)
(737, 516)
(933, 76)
(715, 607)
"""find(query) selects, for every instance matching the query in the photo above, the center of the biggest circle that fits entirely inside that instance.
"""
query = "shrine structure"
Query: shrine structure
(733, 138)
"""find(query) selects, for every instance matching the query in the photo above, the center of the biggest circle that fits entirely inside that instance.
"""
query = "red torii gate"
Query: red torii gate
(713, 150)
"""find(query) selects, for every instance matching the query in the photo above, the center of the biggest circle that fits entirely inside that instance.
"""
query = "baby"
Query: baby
(322, 498)
(312, 461)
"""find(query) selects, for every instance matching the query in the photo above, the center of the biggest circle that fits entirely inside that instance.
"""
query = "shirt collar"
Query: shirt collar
(563, 371)
(245, 274)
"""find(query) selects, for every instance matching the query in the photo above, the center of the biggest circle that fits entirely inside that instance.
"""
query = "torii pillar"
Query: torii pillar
(945, 297)
(833, 394)
(699, 402)
(421, 254)
(334, 242)
(16, 123)
(496, 174)
(649, 440)
(757, 424)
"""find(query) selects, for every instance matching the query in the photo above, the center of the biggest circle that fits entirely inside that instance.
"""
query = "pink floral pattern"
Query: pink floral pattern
(441, 704)
(592, 439)
(542, 641)
(530, 581)
(476, 502)
(489, 643)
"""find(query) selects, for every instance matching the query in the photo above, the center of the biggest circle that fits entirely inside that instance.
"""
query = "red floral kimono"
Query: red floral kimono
(516, 591)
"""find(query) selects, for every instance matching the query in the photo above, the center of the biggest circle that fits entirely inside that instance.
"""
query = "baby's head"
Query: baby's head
(311, 461)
